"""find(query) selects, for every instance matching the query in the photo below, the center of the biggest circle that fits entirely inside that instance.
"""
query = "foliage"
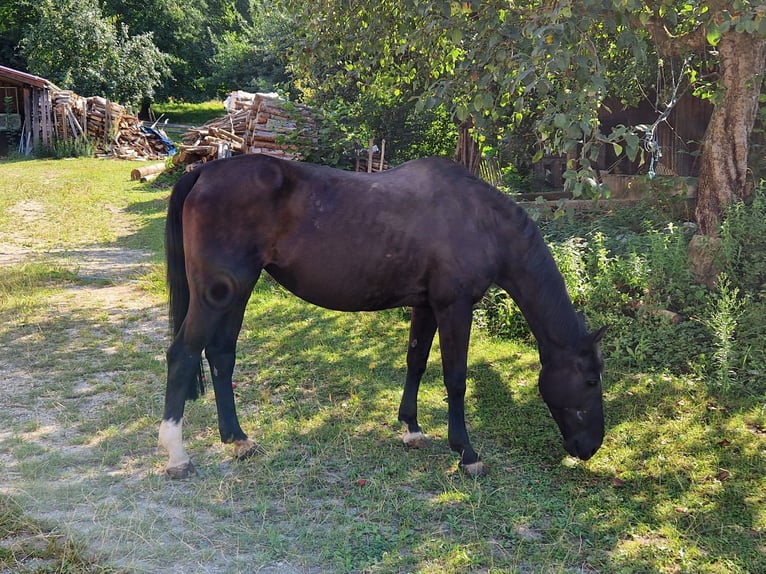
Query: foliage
(215, 45)
(253, 58)
(721, 317)
(548, 64)
(743, 240)
(499, 64)
(81, 146)
(678, 486)
(75, 46)
(345, 129)
(630, 270)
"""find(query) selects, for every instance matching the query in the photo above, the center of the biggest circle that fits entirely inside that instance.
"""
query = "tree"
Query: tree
(73, 45)
(215, 45)
(253, 57)
(13, 19)
(555, 61)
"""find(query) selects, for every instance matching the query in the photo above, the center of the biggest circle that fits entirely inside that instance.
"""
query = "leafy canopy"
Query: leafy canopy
(73, 45)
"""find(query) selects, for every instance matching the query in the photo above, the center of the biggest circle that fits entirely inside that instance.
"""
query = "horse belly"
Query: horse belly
(343, 288)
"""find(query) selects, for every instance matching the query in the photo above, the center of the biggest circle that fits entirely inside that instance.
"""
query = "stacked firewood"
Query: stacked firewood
(109, 125)
(69, 114)
(255, 123)
(134, 141)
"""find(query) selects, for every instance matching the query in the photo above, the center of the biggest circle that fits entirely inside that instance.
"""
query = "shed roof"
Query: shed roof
(24, 78)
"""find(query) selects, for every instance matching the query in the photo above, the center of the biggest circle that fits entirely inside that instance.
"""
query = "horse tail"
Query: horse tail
(175, 259)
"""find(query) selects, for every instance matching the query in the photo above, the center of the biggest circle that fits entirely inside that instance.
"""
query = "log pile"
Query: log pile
(107, 124)
(69, 114)
(255, 123)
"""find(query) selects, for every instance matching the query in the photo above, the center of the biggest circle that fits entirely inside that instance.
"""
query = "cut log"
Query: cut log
(145, 170)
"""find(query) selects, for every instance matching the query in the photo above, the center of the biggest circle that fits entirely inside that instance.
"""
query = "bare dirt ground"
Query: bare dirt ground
(81, 387)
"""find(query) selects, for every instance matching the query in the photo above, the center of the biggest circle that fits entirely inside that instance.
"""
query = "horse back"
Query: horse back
(350, 241)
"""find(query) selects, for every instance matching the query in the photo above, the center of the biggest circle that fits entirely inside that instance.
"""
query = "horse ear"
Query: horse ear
(598, 335)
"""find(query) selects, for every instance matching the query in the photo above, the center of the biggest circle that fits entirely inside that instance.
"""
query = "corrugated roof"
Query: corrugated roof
(24, 78)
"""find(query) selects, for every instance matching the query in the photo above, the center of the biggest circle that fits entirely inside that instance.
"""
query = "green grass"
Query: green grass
(679, 485)
(193, 114)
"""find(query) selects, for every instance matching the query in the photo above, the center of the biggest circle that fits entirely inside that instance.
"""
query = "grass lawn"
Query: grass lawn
(678, 486)
(188, 113)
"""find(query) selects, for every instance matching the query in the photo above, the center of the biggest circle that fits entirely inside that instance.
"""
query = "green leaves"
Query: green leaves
(75, 46)
(713, 34)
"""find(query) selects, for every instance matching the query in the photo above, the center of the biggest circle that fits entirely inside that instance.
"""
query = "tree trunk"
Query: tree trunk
(723, 169)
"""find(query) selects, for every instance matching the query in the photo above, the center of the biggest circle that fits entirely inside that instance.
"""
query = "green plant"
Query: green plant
(499, 315)
(743, 244)
(81, 146)
(722, 314)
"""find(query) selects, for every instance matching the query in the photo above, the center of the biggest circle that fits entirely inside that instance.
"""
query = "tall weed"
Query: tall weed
(628, 270)
(743, 244)
(722, 313)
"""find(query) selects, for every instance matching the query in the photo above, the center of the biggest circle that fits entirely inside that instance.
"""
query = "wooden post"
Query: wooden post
(27, 97)
(382, 154)
(369, 156)
(46, 119)
(35, 117)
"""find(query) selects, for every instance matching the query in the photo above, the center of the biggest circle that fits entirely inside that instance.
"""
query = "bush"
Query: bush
(630, 270)
(62, 148)
(743, 245)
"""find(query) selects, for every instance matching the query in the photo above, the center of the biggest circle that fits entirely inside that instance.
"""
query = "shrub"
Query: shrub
(628, 270)
(61, 148)
(743, 244)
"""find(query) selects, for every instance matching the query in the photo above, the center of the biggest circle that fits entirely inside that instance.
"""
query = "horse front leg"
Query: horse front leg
(422, 330)
(454, 335)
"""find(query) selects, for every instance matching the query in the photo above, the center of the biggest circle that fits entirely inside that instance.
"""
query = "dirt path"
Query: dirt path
(81, 387)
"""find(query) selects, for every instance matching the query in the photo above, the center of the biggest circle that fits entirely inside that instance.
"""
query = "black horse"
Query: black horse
(426, 234)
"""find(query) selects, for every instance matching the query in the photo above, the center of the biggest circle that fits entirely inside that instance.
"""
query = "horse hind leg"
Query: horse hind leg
(221, 356)
(199, 329)
(422, 330)
(183, 364)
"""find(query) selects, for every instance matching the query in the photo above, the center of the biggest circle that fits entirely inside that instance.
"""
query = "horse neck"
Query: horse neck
(535, 283)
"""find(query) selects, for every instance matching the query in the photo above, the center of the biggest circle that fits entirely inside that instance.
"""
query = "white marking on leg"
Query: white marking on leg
(172, 441)
(415, 439)
(477, 468)
(246, 448)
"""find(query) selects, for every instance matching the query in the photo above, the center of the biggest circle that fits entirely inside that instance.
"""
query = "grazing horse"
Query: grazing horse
(427, 234)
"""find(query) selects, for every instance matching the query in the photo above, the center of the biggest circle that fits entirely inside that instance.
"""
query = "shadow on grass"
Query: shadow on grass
(678, 485)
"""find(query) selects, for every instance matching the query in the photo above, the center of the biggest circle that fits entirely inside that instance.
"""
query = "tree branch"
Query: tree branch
(669, 45)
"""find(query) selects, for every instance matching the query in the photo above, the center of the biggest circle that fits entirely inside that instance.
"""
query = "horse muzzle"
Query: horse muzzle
(583, 446)
(582, 430)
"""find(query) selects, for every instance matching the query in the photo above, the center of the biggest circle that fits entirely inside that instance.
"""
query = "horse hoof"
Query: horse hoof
(245, 449)
(180, 472)
(477, 468)
(415, 440)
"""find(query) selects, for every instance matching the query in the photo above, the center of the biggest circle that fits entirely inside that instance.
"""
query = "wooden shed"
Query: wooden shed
(25, 109)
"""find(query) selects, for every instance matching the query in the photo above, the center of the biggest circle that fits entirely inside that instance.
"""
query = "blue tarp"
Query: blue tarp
(171, 149)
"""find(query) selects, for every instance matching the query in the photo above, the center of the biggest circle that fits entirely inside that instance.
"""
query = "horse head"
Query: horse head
(570, 384)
